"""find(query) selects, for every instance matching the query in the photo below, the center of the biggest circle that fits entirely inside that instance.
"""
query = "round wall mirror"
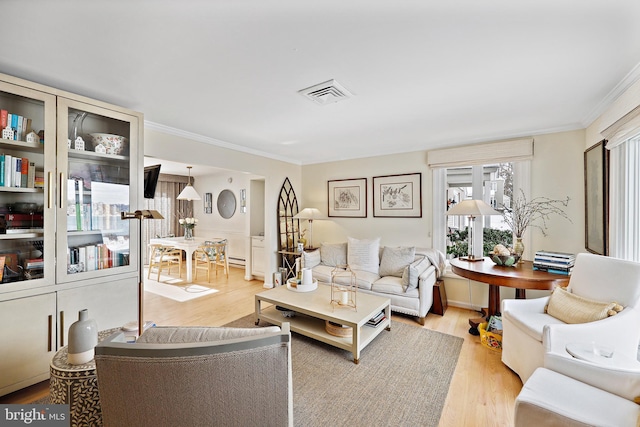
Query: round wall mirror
(226, 203)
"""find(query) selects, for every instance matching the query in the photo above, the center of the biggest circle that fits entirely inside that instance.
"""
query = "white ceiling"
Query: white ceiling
(425, 74)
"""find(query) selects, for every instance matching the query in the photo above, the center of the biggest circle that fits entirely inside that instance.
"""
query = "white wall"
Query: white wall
(393, 231)
(184, 150)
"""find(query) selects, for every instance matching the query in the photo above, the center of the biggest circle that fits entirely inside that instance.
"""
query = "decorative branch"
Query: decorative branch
(524, 214)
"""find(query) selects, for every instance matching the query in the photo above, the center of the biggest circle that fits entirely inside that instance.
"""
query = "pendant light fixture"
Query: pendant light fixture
(189, 193)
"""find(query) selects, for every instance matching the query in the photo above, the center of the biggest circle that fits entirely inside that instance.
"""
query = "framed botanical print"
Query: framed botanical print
(397, 196)
(596, 199)
(347, 198)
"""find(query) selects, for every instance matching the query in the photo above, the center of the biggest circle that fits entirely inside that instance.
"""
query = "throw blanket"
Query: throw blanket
(436, 258)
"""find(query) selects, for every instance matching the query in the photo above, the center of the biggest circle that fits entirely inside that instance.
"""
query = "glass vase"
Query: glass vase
(518, 248)
(188, 233)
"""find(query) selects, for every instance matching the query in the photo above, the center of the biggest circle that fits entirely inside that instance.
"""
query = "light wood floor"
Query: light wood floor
(482, 391)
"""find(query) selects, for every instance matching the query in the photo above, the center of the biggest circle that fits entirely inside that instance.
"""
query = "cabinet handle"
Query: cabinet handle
(50, 335)
(61, 189)
(62, 329)
(50, 191)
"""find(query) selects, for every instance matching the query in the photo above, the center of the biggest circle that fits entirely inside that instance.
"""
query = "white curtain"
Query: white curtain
(624, 198)
(168, 188)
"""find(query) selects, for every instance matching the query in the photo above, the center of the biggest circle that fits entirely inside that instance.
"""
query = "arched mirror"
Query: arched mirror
(287, 225)
(226, 204)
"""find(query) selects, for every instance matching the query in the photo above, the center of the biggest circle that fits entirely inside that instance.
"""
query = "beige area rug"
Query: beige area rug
(402, 379)
(175, 288)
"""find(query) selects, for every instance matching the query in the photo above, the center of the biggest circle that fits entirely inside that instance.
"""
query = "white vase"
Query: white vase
(83, 338)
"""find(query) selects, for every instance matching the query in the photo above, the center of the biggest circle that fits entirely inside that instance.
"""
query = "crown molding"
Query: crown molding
(213, 141)
(628, 81)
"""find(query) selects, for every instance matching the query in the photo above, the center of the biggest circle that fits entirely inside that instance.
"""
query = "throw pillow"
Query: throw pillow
(412, 272)
(310, 259)
(394, 260)
(363, 254)
(571, 308)
(333, 254)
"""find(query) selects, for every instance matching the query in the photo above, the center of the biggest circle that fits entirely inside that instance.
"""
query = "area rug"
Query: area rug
(176, 289)
(402, 379)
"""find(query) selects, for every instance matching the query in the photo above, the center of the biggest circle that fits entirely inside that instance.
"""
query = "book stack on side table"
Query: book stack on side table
(554, 262)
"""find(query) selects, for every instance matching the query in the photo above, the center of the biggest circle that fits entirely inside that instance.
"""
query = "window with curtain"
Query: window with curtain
(164, 201)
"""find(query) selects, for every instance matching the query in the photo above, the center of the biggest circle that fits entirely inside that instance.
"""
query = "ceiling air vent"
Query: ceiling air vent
(326, 93)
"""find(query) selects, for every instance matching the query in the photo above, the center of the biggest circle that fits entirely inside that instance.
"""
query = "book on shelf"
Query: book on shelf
(24, 171)
(8, 172)
(31, 175)
(2, 159)
(38, 181)
(3, 119)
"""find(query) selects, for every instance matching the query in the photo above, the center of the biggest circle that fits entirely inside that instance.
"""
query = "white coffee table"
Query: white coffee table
(314, 308)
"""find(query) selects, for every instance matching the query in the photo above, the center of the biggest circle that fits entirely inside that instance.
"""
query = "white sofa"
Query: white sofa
(405, 275)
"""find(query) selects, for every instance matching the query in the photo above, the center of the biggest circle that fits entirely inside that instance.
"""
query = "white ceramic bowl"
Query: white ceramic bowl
(115, 144)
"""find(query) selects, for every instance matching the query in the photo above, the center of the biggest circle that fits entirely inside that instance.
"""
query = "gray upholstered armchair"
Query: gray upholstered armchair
(197, 377)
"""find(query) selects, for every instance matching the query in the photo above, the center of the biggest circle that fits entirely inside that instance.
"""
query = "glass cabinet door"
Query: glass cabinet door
(27, 209)
(97, 180)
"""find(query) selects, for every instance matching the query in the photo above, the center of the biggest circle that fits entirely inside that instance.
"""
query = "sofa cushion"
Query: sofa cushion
(411, 273)
(322, 273)
(571, 308)
(393, 285)
(333, 254)
(395, 260)
(310, 259)
(363, 254)
(364, 279)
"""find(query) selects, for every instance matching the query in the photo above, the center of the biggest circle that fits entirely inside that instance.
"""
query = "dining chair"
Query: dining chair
(163, 256)
(211, 255)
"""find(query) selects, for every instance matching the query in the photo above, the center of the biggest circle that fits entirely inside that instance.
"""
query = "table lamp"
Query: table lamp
(309, 214)
(141, 215)
(472, 209)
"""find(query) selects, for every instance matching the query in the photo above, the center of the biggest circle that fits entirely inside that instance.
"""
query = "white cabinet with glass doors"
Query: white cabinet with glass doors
(60, 229)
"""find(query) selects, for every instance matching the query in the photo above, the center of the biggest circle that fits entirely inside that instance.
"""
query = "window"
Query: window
(482, 160)
(494, 183)
(624, 202)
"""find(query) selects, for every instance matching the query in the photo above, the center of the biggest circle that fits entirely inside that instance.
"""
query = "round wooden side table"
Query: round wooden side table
(77, 386)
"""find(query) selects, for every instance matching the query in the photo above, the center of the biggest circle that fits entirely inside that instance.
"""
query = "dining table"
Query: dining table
(187, 245)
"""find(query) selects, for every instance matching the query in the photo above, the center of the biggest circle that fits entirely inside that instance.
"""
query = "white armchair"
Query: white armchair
(528, 331)
(572, 392)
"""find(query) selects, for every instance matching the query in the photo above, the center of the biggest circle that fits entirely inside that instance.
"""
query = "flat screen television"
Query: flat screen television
(151, 174)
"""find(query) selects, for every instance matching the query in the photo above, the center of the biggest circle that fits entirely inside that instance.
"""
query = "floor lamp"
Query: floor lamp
(140, 216)
(309, 214)
(472, 209)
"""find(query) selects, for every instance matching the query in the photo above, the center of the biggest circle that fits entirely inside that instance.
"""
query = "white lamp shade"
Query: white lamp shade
(472, 208)
(309, 213)
(189, 193)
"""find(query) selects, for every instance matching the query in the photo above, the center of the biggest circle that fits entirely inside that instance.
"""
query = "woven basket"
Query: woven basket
(338, 330)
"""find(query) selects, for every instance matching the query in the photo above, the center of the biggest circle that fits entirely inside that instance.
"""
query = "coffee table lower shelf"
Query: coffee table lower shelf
(313, 310)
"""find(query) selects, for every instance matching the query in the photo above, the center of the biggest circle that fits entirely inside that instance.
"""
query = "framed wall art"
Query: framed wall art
(347, 198)
(208, 203)
(398, 196)
(596, 199)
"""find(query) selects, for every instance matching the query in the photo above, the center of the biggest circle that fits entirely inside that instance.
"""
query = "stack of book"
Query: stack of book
(554, 262)
(376, 320)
